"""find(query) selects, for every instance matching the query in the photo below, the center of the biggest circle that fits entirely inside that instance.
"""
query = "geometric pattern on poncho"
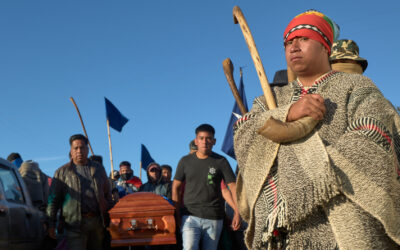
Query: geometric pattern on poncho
(301, 91)
(374, 130)
(271, 198)
(240, 121)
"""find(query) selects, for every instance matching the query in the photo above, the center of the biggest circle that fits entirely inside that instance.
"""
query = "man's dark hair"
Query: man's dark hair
(13, 156)
(165, 166)
(97, 158)
(205, 128)
(78, 137)
(125, 163)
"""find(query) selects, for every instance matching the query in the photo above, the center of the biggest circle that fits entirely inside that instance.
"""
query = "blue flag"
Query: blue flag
(227, 145)
(114, 117)
(146, 158)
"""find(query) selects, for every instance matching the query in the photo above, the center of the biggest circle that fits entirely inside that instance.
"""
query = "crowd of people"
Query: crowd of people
(80, 195)
(335, 188)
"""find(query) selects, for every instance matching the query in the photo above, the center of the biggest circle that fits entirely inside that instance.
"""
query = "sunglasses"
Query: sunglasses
(154, 170)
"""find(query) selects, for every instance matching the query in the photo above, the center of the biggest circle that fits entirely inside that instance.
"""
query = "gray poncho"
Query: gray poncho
(337, 187)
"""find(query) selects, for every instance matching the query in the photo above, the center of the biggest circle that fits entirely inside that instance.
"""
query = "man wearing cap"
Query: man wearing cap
(345, 57)
(338, 186)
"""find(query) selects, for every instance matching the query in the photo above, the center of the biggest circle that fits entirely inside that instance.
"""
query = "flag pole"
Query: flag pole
(109, 143)
(140, 170)
(83, 126)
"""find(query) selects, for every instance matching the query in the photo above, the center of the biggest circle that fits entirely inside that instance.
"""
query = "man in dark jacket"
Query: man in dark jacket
(155, 184)
(81, 190)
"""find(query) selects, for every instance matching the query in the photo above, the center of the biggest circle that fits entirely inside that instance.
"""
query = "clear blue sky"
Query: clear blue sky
(159, 62)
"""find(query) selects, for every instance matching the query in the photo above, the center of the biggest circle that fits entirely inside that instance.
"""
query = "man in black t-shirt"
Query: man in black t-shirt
(203, 211)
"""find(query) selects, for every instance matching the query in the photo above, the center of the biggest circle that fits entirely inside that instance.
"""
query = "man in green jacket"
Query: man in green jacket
(81, 190)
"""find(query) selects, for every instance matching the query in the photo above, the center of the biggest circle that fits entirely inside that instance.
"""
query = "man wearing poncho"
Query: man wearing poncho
(337, 187)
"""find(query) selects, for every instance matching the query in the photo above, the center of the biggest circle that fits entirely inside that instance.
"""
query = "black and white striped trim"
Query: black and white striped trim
(242, 120)
(374, 130)
(310, 27)
(270, 195)
(261, 104)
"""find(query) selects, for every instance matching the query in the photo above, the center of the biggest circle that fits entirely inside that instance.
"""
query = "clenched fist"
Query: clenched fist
(309, 105)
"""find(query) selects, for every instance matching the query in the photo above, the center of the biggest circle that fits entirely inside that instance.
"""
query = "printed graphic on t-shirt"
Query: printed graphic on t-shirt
(211, 175)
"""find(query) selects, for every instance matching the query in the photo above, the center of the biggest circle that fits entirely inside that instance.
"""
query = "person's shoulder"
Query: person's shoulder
(64, 167)
(164, 183)
(280, 90)
(354, 80)
(95, 164)
(145, 186)
(63, 170)
(280, 93)
(188, 157)
(99, 167)
(217, 156)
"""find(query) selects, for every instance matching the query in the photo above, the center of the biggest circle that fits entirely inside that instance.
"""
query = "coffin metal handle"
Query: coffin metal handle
(133, 225)
(150, 225)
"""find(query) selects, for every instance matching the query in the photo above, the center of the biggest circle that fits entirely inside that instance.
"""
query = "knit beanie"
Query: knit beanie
(314, 25)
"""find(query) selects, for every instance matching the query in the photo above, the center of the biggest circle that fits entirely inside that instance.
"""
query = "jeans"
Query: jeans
(90, 236)
(195, 229)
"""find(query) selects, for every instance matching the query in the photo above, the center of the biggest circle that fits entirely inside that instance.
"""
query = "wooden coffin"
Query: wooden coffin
(142, 218)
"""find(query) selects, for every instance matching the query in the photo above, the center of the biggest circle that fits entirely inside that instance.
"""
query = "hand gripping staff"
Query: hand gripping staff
(273, 129)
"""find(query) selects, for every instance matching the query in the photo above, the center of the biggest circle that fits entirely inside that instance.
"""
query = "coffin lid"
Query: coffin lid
(141, 201)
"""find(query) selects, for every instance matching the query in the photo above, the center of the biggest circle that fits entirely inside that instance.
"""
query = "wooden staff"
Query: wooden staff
(274, 130)
(109, 144)
(228, 70)
(83, 125)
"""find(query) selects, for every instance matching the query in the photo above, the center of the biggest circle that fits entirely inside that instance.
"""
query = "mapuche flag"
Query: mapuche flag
(227, 145)
(146, 158)
(114, 117)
